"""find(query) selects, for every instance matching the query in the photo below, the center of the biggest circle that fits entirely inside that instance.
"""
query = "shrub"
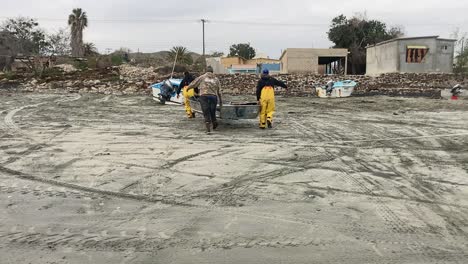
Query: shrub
(81, 65)
(116, 60)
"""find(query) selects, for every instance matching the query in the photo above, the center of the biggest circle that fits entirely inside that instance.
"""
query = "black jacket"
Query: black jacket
(268, 81)
(185, 82)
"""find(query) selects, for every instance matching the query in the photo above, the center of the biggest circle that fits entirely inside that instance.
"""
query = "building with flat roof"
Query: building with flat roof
(318, 61)
(428, 54)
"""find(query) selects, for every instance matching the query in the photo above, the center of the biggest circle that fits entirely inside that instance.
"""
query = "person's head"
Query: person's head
(186, 74)
(265, 72)
(209, 69)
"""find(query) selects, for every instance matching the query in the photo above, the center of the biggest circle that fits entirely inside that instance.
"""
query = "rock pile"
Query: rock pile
(136, 74)
(66, 68)
(386, 84)
(128, 79)
(117, 87)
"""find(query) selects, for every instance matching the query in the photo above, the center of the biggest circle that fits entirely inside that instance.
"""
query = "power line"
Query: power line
(252, 23)
(222, 22)
(117, 20)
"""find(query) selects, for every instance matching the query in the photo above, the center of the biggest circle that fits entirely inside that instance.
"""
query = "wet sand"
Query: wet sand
(109, 179)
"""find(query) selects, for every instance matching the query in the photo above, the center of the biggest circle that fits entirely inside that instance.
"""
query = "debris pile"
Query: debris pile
(66, 68)
(408, 84)
(127, 79)
(137, 74)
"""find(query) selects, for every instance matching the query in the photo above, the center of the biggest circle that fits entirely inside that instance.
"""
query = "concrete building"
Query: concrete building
(237, 64)
(429, 54)
(262, 60)
(227, 62)
(273, 68)
(331, 61)
(216, 65)
(242, 68)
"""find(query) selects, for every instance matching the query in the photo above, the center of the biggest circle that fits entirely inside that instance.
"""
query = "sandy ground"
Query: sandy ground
(105, 179)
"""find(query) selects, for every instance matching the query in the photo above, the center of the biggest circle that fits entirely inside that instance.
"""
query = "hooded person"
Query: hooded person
(266, 98)
(188, 78)
(456, 90)
(209, 89)
(329, 87)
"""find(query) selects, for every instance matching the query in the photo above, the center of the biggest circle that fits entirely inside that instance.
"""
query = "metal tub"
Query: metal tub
(231, 110)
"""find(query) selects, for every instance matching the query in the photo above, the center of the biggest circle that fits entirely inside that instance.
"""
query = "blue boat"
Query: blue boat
(165, 92)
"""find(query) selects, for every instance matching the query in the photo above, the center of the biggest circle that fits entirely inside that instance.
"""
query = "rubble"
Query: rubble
(137, 74)
(387, 84)
(127, 79)
(66, 68)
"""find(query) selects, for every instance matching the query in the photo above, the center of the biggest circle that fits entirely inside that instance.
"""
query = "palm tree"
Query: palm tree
(90, 49)
(78, 21)
(183, 55)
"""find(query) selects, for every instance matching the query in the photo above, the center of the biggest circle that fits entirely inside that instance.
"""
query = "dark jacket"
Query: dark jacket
(267, 80)
(185, 82)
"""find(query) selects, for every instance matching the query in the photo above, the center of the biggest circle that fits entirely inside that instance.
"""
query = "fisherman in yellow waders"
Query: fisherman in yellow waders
(188, 78)
(266, 98)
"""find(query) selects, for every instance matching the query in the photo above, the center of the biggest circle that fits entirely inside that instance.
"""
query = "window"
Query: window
(416, 54)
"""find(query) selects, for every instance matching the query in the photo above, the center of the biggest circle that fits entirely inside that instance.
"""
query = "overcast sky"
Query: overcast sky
(270, 26)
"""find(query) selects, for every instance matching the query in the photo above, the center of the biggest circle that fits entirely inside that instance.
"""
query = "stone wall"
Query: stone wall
(135, 80)
(389, 84)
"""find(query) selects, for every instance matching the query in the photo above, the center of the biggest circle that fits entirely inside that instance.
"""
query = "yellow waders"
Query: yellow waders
(267, 105)
(187, 95)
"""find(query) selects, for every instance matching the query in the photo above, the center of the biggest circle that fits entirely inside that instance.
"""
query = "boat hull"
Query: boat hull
(234, 111)
(156, 90)
(340, 89)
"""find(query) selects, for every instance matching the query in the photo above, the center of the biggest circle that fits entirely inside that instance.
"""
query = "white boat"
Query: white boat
(340, 89)
(156, 89)
(460, 93)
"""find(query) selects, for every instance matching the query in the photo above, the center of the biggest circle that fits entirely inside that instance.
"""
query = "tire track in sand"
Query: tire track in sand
(10, 124)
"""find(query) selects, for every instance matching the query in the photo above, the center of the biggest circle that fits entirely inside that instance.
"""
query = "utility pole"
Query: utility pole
(203, 27)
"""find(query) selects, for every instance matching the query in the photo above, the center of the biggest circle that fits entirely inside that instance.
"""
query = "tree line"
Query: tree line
(354, 34)
(31, 39)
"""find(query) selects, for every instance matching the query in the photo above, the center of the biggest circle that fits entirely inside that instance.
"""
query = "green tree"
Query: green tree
(124, 53)
(216, 54)
(183, 55)
(243, 50)
(355, 34)
(461, 51)
(28, 37)
(461, 58)
(78, 21)
(59, 43)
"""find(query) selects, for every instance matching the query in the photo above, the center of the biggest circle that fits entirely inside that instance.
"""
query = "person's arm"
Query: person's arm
(218, 92)
(195, 83)
(181, 85)
(280, 83)
(259, 89)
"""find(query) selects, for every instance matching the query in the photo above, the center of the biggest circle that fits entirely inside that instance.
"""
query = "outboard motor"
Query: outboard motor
(329, 87)
(166, 91)
(456, 90)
